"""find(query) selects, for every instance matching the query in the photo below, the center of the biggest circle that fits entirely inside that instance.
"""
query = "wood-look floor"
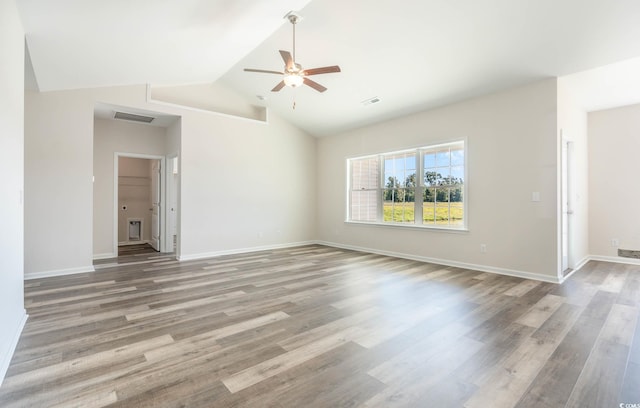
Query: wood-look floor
(134, 254)
(323, 327)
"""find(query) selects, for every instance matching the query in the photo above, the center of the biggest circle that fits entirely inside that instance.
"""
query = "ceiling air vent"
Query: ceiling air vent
(132, 117)
(370, 101)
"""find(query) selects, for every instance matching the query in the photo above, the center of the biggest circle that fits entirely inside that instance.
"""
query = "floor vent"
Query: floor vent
(629, 253)
(133, 117)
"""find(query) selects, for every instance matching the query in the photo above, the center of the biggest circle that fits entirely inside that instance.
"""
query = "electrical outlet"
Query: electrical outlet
(615, 242)
(483, 248)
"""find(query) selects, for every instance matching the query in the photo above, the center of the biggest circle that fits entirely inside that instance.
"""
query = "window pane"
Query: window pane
(432, 177)
(364, 205)
(428, 206)
(399, 170)
(397, 207)
(442, 195)
(443, 158)
(442, 214)
(429, 159)
(455, 193)
(457, 174)
(457, 156)
(443, 175)
(410, 163)
(364, 173)
(457, 211)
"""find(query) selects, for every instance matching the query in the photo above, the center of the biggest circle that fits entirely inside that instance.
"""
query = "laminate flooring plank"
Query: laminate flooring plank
(320, 382)
(418, 354)
(630, 292)
(541, 311)
(553, 385)
(405, 393)
(522, 288)
(630, 386)
(505, 384)
(449, 392)
(615, 280)
(601, 379)
(276, 365)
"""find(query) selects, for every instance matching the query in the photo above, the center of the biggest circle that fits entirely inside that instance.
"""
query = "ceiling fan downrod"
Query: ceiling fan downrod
(293, 19)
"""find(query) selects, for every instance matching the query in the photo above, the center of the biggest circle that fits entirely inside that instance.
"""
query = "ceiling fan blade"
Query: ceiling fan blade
(323, 70)
(315, 85)
(264, 71)
(278, 87)
(286, 56)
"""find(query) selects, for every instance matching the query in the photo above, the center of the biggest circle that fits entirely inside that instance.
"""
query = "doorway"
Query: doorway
(138, 202)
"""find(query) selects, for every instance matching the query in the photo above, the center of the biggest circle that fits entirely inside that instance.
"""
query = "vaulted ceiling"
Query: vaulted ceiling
(411, 55)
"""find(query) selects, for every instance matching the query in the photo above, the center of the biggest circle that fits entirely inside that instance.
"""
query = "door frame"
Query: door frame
(168, 241)
(566, 192)
(116, 157)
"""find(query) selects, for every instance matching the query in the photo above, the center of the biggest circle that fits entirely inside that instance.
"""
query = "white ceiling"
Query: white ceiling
(91, 43)
(413, 55)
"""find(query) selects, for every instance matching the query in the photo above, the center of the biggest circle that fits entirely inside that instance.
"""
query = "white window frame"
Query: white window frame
(419, 189)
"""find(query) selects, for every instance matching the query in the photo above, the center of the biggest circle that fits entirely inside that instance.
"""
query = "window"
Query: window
(399, 194)
(365, 176)
(387, 188)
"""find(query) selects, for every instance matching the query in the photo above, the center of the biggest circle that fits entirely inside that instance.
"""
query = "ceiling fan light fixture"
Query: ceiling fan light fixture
(293, 80)
(294, 74)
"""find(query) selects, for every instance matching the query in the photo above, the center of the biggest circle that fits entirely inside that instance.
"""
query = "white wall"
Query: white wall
(109, 137)
(614, 143)
(511, 150)
(58, 183)
(572, 124)
(12, 314)
(244, 184)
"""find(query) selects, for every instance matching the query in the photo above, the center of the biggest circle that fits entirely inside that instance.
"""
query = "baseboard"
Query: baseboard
(193, 257)
(127, 243)
(59, 272)
(104, 256)
(582, 263)
(615, 259)
(575, 269)
(6, 359)
(446, 262)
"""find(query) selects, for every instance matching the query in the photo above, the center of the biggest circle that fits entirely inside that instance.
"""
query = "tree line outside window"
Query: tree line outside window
(386, 188)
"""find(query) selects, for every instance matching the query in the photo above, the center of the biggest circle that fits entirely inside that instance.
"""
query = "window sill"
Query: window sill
(411, 226)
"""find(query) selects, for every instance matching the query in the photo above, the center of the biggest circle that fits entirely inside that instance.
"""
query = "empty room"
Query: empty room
(320, 203)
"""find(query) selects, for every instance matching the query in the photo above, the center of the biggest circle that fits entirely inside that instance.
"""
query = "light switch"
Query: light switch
(535, 196)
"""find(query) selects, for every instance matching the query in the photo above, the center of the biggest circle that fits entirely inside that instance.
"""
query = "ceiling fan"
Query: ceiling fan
(294, 74)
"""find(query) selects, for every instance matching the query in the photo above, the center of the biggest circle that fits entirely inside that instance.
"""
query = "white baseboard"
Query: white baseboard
(6, 359)
(59, 272)
(127, 243)
(582, 263)
(615, 259)
(579, 266)
(445, 262)
(193, 257)
(104, 256)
